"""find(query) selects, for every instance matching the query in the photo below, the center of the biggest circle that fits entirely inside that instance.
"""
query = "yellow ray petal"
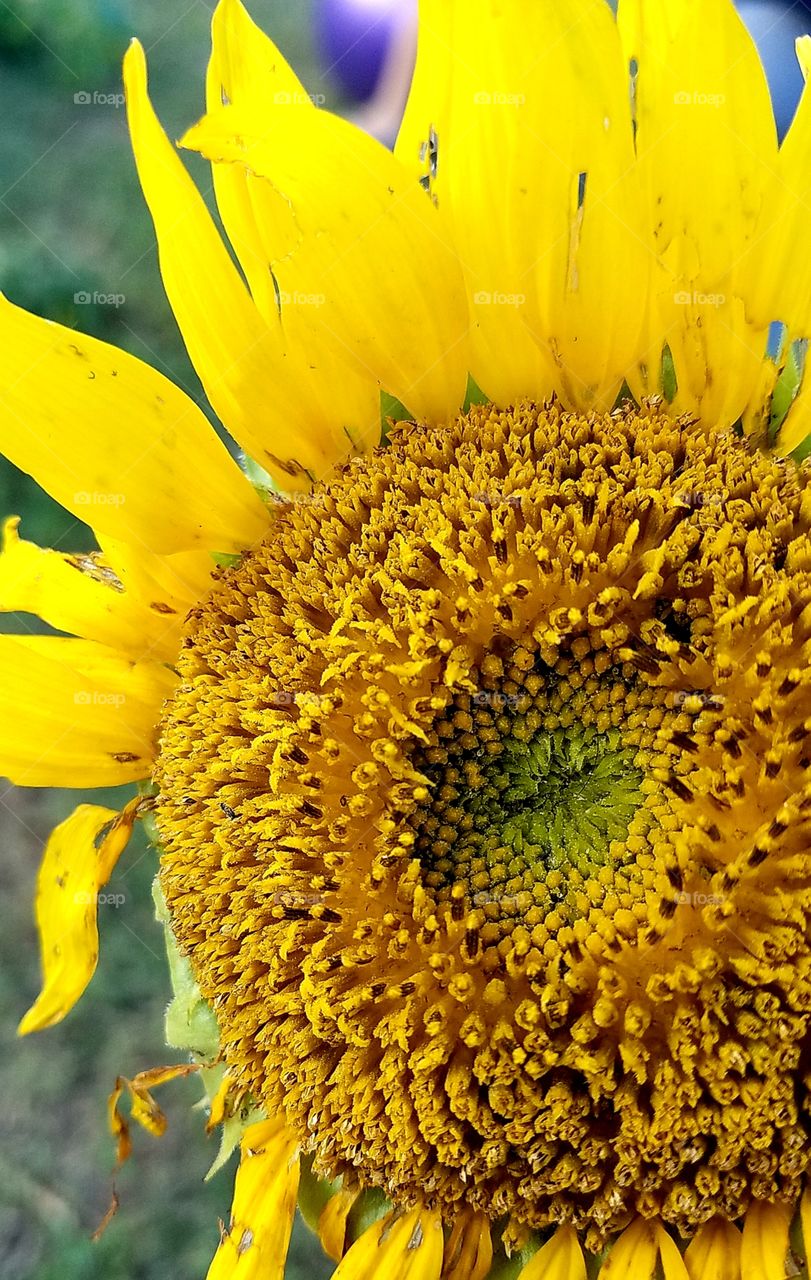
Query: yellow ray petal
(79, 860)
(530, 153)
(715, 1252)
(247, 69)
(255, 1245)
(469, 1250)
(332, 1223)
(633, 1256)
(117, 443)
(765, 1241)
(260, 394)
(404, 1247)
(168, 586)
(76, 714)
(561, 1258)
(707, 147)
(778, 265)
(805, 1222)
(796, 426)
(78, 595)
(672, 1262)
(350, 238)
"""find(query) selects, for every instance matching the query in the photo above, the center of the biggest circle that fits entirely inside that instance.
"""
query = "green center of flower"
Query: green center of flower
(524, 803)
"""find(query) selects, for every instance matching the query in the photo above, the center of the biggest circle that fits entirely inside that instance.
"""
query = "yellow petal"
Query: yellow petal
(332, 1223)
(561, 1258)
(247, 69)
(255, 1245)
(79, 860)
(715, 1252)
(469, 1250)
(633, 1256)
(707, 147)
(530, 153)
(805, 1221)
(673, 1264)
(257, 391)
(167, 586)
(796, 426)
(354, 242)
(778, 264)
(117, 443)
(78, 595)
(404, 1247)
(143, 1107)
(76, 714)
(765, 1241)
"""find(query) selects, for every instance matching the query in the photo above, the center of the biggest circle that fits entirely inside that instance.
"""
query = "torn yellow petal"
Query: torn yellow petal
(714, 1253)
(116, 443)
(561, 1258)
(407, 1246)
(765, 1241)
(707, 149)
(78, 595)
(256, 1242)
(355, 245)
(469, 1249)
(332, 1223)
(144, 1110)
(633, 1256)
(76, 714)
(79, 860)
(518, 122)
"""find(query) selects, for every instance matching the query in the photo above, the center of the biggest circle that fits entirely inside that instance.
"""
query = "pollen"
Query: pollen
(485, 819)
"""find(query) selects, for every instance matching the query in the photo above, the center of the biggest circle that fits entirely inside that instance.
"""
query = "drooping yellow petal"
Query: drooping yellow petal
(352, 241)
(633, 1256)
(707, 148)
(77, 594)
(469, 1249)
(715, 1252)
(561, 1258)
(76, 714)
(261, 394)
(117, 443)
(256, 1242)
(143, 1107)
(408, 1246)
(765, 1241)
(529, 151)
(79, 860)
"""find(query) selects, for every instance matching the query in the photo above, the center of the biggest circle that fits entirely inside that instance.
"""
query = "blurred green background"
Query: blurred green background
(72, 223)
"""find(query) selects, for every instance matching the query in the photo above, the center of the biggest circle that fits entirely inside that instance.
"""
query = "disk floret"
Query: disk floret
(485, 819)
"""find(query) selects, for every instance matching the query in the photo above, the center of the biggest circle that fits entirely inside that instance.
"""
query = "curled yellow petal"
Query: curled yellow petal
(355, 243)
(79, 860)
(254, 1247)
(93, 720)
(144, 1110)
(406, 1246)
(714, 1253)
(561, 1258)
(765, 1241)
(332, 1223)
(260, 394)
(116, 443)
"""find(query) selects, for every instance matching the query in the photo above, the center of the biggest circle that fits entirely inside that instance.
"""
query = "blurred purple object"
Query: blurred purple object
(775, 25)
(354, 38)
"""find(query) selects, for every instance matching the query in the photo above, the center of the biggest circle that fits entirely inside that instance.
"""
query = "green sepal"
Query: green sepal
(314, 1193)
(225, 559)
(190, 1023)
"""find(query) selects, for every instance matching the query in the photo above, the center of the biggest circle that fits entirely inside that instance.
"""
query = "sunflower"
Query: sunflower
(471, 717)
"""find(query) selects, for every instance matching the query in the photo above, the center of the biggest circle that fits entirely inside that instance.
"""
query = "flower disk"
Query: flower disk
(485, 818)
